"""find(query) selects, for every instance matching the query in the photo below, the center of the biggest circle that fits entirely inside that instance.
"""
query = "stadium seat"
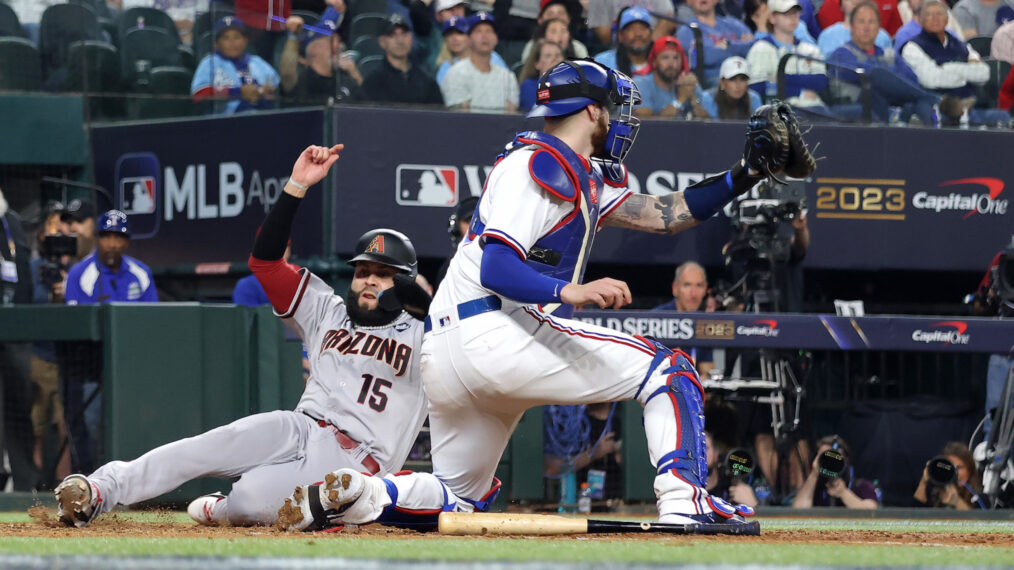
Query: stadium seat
(62, 25)
(357, 7)
(368, 65)
(99, 7)
(367, 46)
(372, 24)
(309, 18)
(187, 56)
(166, 95)
(20, 67)
(981, 44)
(10, 26)
(145, 49)
(988, 94)
(94, 67)
(145, 18)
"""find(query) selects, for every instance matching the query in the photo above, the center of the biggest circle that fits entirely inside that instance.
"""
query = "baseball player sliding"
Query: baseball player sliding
(494, 343)
(362, 407)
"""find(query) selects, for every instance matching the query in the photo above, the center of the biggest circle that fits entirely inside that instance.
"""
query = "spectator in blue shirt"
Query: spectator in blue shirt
(634, 38)
(671, 90)
(249, 292)
(892, 83)
(246, 81)
(109, 275)
(839, 33)
(732, 99)
(721, 37)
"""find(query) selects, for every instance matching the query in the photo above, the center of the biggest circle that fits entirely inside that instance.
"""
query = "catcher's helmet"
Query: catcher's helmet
(574, 84)
(389, 247)
(115, 222)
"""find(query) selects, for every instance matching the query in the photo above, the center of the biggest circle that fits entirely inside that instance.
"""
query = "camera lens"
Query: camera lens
(941, 472)
(830, 465)
(739, 463)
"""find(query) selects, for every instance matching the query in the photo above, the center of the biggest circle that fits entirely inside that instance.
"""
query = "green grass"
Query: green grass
(686, 550)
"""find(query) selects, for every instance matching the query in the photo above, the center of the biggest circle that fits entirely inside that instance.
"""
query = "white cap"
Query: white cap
(782, 6)
(733, 66)
(447, 4)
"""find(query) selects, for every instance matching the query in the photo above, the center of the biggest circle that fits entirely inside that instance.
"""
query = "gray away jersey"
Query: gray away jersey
(364, 380)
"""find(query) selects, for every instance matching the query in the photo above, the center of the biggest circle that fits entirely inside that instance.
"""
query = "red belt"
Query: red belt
(349, 444)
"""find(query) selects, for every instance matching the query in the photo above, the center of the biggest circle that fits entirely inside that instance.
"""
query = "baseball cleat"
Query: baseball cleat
(707, 518)
(78, 500)
(202, 509)
(313, 507)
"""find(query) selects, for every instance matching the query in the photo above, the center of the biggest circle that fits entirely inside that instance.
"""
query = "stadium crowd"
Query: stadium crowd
(922, 61)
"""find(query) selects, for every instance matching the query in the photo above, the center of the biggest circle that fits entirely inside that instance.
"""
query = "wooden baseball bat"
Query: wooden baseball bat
(548, 525)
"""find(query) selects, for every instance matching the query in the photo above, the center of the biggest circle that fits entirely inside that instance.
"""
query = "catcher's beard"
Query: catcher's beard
(367, 317)
(599, 137)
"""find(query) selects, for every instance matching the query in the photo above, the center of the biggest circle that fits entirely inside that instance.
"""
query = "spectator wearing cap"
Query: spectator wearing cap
(79, 215)
(545, 56)
(330, 70)
(603, 14)
(432, 41)
(670, 90)
(107, 275)
(557, 10)
(892, 81)
(804, 77)
(397, 80)
(456, 47)
(832, 12)
(945, 65)
(756, 18)
(234, 79)
(474, 83)
(838, 34)
(732, 99)
(983, 17)
(634, 42)
(15, 357)
(722, 37)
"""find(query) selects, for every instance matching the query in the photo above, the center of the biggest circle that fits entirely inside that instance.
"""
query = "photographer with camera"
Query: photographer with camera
(832, 480)
(56, 252)
(731, 475)
(995, 297)
(950, 480)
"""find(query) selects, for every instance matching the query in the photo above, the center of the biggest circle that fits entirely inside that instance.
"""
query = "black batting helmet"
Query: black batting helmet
(389, 247)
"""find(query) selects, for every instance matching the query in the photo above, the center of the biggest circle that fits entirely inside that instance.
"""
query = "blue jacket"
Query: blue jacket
(853, 57)
(249, 292)
(89, 281)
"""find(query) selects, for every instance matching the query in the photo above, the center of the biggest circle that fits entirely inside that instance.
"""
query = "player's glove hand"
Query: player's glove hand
(767, 140)
(775, 145)
(406, 294)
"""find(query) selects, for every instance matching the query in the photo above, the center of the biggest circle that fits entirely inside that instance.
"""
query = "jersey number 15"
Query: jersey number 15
(377, 401)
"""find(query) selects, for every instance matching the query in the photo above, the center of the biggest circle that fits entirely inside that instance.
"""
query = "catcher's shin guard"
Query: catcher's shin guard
(673, 402)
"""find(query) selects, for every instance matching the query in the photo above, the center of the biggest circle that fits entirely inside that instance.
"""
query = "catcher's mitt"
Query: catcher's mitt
(774, 144)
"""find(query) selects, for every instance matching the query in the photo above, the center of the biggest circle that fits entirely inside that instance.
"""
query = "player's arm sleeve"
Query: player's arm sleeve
(281, 282)
(506, 274)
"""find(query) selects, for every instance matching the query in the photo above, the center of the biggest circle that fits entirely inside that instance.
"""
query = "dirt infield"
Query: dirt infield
(45, 525)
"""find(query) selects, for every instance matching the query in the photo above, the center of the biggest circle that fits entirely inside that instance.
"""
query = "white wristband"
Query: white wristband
(299, 186)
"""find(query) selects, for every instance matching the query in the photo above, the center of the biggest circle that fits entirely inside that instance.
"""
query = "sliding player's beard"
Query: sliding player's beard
(363, 316)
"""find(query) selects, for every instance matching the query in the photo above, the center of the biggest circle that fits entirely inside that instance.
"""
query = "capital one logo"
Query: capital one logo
(763, 327)
(944, 332)
(426, 185)
(985, 201)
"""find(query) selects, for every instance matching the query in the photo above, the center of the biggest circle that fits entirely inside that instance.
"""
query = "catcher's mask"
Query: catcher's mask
(389, 247)
(572, 85)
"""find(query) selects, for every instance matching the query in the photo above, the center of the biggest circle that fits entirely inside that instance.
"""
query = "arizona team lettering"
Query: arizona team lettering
(394, 353)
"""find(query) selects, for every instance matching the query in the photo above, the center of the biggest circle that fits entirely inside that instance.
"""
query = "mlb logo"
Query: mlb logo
(426, 185)
(138, 186)
(137, 195)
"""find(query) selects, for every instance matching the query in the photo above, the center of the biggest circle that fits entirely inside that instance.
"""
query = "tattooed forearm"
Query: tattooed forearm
(661, 215)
